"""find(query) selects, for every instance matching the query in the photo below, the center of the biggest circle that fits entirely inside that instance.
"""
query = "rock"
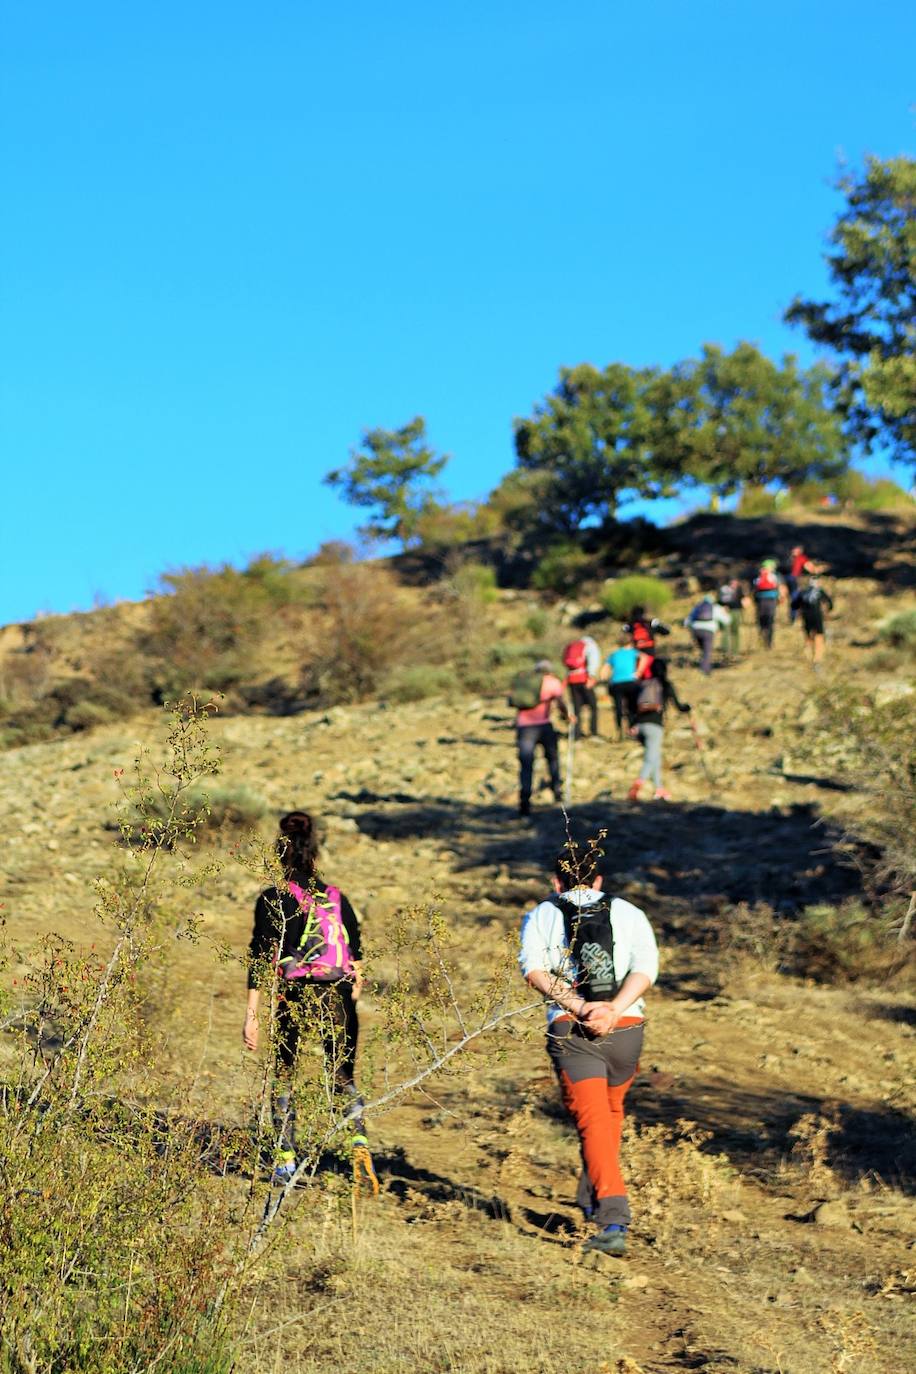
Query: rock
(341, 824)
(635, 1281)
(833, 1213)
(735, 1215)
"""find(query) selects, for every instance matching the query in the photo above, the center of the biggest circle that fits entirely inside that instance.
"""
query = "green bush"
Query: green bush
(536, 623)
(899, 631)
(415, 681)
(618, 598)
(840, 943)
(562, 569)
(206, 812)
(756, 501)
(477, 582)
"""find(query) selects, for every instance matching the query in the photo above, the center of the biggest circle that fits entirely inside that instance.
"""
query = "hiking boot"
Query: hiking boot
(284, 1168)
(633, 794)
(662, 794)
(611, 1240)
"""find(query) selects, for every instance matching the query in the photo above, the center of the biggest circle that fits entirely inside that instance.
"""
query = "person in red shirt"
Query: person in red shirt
(534, 727)
(799, 563)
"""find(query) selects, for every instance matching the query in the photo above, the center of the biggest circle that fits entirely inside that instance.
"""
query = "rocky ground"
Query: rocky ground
(770, 1141)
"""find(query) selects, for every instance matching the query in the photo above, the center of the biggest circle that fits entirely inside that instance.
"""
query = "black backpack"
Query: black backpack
(590, 941)
(811, 597)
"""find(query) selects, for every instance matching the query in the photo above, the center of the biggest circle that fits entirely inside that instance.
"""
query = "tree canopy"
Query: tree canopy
(392, 472)
(722, 420)
(871, 325)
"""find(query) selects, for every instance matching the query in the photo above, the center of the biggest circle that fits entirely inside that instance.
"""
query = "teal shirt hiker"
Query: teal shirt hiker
(623, 665)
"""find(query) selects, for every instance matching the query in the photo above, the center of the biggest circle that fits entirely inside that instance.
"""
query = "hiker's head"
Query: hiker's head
(659, 668)
(623, 640)
(769, 564)
(797, 551)
(543, 665)
(577, 865)
(297, 845)
(638, 613)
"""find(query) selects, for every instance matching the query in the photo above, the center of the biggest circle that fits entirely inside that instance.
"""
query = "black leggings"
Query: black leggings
(320, 1009)
(584, 696)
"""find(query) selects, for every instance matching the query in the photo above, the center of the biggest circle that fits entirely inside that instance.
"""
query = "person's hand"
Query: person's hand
(250, 1030)
(633, 732)
(357, 984)
(600, 1017)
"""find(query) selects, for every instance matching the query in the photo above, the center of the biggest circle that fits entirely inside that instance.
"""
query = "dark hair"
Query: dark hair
(577, 865)
(659, 668)
(638, 613)
(297, 846)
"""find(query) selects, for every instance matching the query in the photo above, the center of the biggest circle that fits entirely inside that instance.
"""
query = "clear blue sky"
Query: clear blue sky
(234, 236)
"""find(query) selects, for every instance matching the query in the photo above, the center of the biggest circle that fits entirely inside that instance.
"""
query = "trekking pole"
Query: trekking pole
(698, 741)
(570, 743)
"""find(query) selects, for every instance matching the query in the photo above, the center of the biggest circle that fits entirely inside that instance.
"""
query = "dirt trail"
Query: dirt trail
(732, 1266)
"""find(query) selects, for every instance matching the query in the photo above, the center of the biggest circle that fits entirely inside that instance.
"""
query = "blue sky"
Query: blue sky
(233, 237)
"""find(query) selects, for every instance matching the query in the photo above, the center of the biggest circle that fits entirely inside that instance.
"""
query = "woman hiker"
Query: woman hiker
(592, 957)
(654, 696)
(306, 934)
(619, 672)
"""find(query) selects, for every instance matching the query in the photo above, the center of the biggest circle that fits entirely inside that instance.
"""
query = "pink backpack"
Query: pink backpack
(324, 951)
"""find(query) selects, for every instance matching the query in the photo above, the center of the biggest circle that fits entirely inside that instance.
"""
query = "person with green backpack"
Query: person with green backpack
(533, 694)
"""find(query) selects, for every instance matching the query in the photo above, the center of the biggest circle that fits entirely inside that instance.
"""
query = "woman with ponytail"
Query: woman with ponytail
(306, 934)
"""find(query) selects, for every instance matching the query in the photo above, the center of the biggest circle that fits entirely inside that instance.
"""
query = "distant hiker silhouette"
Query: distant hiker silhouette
(582, 660)
(592, 957)
(643, 630)
(619, 672)
(534, 694)
(811, 602)
(768, 592)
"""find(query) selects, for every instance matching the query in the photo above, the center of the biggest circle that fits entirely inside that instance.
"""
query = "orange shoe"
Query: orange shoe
(633, 794)
(661, 794)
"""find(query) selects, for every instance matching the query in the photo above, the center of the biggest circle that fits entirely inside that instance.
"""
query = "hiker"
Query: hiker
(799, 564)
(732, 600)
(619, 672)
(654, 695)
(811, 602)
(642, 630)
(534, 695)
(702, 622)
(308, 931)
(768, 592)
(582, 660)
(592, 957)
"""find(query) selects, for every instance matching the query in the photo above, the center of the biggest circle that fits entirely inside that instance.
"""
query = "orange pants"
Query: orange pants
(594, 1078)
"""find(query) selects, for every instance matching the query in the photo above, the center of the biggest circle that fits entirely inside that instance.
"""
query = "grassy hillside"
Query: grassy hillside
(769, 1146)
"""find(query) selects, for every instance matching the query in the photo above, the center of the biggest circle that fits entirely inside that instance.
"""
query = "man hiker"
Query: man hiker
(731, 598)
(798, 565)
(534, 695)
(592, 956)
(619, 672)
(702, 622)
(768, 592)
(811, 602)
(582, 660)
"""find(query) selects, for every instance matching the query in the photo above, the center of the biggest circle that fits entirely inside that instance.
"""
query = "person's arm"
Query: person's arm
(605, 673)
(828, 599)
(263, 939)
(250, 1028)
(556, 989)
(351, 924)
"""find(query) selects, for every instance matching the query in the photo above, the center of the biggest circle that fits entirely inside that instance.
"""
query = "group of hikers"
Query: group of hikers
(592, 957)
(637, 678)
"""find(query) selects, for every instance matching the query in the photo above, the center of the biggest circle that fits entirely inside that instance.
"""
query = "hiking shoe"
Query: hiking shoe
(284, 1168)
(611, 1240)
(662, 794)
(633, 794)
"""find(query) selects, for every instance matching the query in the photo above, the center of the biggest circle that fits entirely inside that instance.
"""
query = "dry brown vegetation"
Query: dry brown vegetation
(770, 1138)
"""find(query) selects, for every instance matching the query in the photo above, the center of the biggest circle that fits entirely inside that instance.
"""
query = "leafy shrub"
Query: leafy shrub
(476, 581)
(207, 625)
(205, 812)
(756, 501)
(899, 631)
(562, 569)
(618, 598)
(536, 623)
(415, 681)
(840, 943)
(364, 629)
